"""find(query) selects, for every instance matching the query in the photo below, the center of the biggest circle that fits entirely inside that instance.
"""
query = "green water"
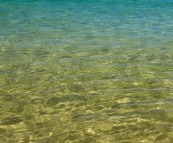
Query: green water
(86, 72)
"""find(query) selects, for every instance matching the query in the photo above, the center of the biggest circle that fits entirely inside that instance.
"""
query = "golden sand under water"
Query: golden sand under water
(102, 75)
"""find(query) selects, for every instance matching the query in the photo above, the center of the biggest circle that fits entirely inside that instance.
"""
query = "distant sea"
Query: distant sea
(86, 71)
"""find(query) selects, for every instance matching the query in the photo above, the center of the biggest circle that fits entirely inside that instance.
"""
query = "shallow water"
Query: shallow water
(86, 71)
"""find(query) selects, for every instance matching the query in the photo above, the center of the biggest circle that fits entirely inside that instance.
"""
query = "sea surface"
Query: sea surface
(86, 71)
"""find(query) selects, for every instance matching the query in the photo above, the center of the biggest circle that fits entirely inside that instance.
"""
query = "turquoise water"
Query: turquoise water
(86, 71)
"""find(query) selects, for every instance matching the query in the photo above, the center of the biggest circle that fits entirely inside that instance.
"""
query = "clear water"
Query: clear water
(86, 71)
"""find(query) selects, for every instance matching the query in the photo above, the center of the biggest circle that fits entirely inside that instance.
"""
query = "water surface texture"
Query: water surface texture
(86, 71)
